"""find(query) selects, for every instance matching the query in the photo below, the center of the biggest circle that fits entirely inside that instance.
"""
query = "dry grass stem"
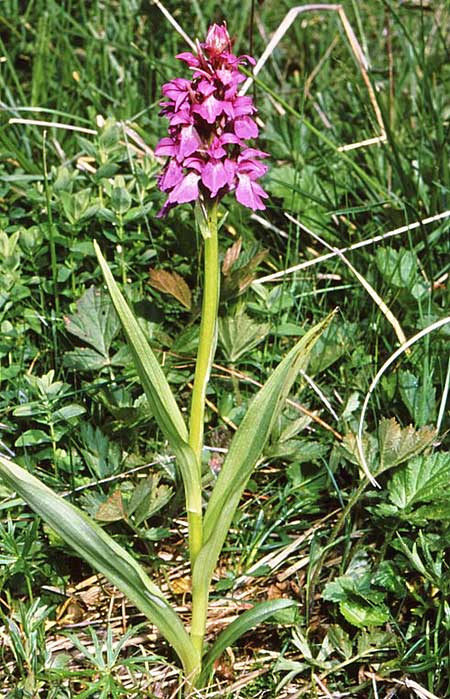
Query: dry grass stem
(361, 244)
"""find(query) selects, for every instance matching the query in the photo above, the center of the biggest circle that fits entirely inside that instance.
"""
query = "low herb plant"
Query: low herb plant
(209, 124)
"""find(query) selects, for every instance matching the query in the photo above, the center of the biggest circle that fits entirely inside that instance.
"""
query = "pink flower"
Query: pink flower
(208, 126)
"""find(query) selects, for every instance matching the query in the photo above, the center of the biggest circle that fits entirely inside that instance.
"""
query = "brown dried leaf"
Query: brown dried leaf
(112, 510)
(171, 283)
(231, 256)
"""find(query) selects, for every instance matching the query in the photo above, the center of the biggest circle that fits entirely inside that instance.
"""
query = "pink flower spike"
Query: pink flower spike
(249, 193)
(209, 125)
(186, 190)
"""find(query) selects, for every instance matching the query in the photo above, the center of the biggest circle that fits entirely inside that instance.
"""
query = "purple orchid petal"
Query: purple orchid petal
(250, 194)
(167, 147)
(188, 58)
(182, 116)
(190, 141)
(252, 168)
(193, 162)
(214, 176)
(209, 109)
(245, 127)
(206, 87)
(186, 190)
(177, 90)
(243, 106)
(171, 176)
(249, 153)
(217, 40)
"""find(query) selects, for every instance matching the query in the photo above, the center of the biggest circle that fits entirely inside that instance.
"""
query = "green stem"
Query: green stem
(208, 335)
(205, 356)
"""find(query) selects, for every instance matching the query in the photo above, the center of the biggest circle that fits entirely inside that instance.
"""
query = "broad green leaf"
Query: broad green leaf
(335, 341)
(68, 412)
(159, 395)
(148, 498)
(85, 359)
(93, 544)
(32, 437)
(245, 451)
(102, 455)
(246, 621)
(120, 200)
(364, 615)
(425, 479)
(95, 321)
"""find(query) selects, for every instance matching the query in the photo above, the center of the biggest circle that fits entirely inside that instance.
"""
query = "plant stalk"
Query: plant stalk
(205, 356)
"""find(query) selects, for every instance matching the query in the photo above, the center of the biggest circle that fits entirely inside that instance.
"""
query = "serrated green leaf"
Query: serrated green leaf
(246, 621)
(425, 479)
(148, 498)
(239, 334)
(85, 359)
(95, 321)
(419, 396)
(340, 641)
(93, 544)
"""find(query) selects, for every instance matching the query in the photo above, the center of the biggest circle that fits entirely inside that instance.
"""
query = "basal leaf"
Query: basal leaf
(93, 544)
(419, 396)
(246, 621)
(112, 510)
(159, 395)
(239, 334)
(245, 451)
(364, 615)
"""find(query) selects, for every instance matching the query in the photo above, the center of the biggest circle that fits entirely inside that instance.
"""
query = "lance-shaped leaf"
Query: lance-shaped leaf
(93, 544)
(159, 395)
(246, 621)
(245, 451)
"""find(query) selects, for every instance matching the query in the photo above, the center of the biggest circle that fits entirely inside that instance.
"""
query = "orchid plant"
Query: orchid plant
(207, 157)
